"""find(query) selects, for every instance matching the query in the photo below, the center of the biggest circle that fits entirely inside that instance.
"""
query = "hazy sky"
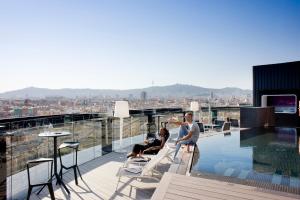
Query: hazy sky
(125, 44)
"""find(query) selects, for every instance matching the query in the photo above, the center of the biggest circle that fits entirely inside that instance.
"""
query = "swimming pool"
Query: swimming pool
(270, 156)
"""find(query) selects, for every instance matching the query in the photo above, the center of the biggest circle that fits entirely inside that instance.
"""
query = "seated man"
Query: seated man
(188, 133)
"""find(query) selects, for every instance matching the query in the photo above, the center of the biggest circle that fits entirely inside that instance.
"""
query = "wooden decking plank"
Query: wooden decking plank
(234, 187)
(178, 197)
(161, 191)
(104, 187)
(224, 190)
(211, 192)
(195, 187)
(83, 190)
(99, 182)
(185, 194)
(182, 161)
(261, 193)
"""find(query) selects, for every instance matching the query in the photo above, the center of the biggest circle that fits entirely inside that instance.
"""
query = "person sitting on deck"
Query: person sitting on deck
(150, 147)
(188, 132)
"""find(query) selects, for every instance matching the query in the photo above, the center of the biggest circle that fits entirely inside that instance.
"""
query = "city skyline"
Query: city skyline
(138, 44)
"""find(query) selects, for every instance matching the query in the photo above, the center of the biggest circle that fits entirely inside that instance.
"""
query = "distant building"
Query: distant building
(130, 97)
(143, 95)
(17, 112)
(27, 102)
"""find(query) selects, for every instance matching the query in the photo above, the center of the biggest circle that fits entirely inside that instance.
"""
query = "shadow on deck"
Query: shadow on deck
(100, 181)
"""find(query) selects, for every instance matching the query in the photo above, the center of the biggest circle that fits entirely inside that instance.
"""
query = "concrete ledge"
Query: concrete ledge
(183, 161)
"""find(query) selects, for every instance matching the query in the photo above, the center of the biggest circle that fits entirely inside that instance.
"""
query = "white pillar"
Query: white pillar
(194, 108)
(121, 111)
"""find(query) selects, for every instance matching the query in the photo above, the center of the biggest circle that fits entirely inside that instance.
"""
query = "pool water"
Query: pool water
(266, 155)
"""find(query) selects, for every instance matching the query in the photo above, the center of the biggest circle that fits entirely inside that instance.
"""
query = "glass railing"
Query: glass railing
(97, 137)
(208, 117)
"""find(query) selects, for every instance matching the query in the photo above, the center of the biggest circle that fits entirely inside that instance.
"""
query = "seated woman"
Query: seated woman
(150, 147)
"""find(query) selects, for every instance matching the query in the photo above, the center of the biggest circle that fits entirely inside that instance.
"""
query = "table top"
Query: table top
(54, 134)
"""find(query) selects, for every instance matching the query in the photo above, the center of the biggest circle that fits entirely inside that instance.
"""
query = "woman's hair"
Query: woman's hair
(166, 132)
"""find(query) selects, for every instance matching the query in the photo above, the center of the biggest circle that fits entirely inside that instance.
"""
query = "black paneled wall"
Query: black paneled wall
(281, 78)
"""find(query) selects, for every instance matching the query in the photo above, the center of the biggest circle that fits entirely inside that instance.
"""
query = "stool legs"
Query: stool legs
(50, 188)
(29, 192)
(75, 174)
(75, 166)
(79, 172)
(48, 183)
(61, 165)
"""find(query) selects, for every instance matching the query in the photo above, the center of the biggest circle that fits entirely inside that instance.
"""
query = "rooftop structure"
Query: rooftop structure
(278, 85)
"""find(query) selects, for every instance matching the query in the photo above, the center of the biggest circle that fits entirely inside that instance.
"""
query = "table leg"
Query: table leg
(55, 155)
(59, 181)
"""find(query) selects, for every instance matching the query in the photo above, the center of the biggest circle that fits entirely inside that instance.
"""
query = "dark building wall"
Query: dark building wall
(281, 78)
(257, 117)
(3, 169)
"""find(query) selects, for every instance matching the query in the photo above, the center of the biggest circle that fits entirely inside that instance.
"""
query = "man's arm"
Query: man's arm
(178, 123)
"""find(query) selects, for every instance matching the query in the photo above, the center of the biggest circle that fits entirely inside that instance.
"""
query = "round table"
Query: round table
(55, 135)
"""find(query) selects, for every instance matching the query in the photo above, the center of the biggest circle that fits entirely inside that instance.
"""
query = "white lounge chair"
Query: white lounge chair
(141, 161)
(146, 171)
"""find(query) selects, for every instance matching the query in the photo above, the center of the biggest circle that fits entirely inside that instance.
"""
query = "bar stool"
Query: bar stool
(48, 183)
(74, 146)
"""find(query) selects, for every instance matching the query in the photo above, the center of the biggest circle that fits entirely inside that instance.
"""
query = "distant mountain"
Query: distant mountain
(177, 90)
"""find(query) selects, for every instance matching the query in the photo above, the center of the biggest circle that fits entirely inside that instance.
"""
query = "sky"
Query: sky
(127, 44)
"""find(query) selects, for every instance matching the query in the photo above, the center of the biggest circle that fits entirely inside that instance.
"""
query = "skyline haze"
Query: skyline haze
(173, 91)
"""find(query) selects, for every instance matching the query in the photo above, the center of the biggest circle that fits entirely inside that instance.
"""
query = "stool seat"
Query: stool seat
(39, 160)
(69, 144)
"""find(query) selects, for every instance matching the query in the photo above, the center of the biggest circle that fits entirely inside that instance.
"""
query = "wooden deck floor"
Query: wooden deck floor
(100, 180)
(175, 186)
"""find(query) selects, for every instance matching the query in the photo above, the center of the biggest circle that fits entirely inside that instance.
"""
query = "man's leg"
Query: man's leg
(182, 132)
(189, 141)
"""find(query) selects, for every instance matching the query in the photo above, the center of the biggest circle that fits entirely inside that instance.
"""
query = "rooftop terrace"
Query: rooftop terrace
(98, 159)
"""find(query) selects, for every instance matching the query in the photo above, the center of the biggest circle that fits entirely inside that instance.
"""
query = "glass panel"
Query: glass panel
(97, 137)
(85, 133)
(107, 136)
